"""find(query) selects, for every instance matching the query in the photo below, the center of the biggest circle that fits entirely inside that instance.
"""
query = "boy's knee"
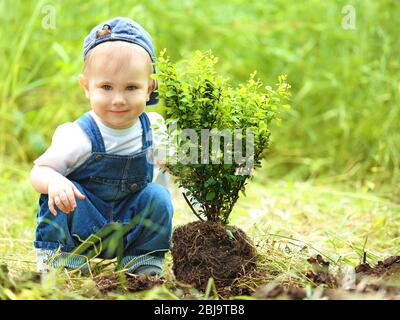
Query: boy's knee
(158, 198)
(157, 193)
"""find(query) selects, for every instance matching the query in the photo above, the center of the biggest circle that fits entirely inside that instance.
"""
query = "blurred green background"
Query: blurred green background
(344, 123)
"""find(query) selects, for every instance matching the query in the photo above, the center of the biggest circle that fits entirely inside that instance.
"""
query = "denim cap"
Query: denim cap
(122, 29)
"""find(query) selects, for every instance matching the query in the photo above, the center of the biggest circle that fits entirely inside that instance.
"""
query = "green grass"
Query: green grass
(288, 221)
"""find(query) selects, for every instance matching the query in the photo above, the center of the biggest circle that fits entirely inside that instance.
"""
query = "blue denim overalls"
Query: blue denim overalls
(119, 193)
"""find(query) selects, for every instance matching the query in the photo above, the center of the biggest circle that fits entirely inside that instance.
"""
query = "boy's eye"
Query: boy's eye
(131, 88)
(106, 87)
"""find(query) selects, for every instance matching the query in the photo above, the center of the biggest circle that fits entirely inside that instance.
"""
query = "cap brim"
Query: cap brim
(153, 99)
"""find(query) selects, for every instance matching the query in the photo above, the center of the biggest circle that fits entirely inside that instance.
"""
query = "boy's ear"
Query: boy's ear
(152, 87)
(85, 84)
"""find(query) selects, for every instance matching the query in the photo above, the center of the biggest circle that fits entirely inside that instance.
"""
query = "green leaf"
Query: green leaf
(230, 234)
(170, 94)
(209, 182)
(210, 196)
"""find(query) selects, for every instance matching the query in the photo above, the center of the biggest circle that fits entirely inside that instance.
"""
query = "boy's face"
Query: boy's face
(118, 86)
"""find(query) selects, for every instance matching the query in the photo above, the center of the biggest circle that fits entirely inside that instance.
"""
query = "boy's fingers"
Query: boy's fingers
(71, 198)
(64, 200)
(51, 206)
(78, 193)
(60, 204)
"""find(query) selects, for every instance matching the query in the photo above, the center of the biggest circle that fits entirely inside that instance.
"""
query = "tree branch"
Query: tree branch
(191, 207)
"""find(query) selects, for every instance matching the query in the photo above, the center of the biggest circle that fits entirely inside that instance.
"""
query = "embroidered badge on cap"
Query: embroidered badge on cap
(104, 31)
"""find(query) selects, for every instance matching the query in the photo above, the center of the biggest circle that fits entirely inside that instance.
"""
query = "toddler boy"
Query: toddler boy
(98, 170)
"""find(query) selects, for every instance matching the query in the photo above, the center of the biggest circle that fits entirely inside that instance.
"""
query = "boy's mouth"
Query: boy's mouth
(118, 111)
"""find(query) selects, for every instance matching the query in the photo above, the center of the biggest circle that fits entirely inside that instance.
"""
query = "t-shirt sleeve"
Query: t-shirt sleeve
(69, 148)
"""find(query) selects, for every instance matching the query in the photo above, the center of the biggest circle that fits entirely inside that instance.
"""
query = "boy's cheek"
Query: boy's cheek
(99, 94)
(138, 100)
(99, 99)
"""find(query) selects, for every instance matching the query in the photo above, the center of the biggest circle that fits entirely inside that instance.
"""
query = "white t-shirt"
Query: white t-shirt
(70, 146)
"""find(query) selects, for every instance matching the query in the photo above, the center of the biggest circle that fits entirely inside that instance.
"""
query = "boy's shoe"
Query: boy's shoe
(47, 259)
(145, 264)
(149, 270)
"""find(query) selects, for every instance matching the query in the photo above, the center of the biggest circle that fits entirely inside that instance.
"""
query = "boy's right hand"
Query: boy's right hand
(62, 192)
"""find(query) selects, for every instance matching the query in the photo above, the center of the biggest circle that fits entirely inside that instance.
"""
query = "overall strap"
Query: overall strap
(89, 126)
(147, 138)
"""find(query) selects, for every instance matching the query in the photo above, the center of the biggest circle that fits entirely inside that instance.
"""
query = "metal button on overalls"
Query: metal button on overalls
(133, 187)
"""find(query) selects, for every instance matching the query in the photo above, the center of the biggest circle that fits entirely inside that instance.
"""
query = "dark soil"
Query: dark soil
(369, 280)
(386, 268)
(320, 272)
(206, 249)
(384, 271)
(131, 282)
(319, 275)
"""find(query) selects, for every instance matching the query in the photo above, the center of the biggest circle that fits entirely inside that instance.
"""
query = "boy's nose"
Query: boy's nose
(118, 100)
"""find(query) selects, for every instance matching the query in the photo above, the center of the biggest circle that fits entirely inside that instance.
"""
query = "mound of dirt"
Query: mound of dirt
(386, 268)
(207, 249)
(131, 282)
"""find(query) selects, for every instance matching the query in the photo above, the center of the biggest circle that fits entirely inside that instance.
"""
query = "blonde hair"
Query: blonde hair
(118, 51)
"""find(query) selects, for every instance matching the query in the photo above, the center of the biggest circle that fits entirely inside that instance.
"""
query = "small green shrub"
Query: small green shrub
(201, 108)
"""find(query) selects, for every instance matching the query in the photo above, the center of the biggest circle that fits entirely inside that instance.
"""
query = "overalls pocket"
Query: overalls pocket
(105, 189)
(131, 186)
